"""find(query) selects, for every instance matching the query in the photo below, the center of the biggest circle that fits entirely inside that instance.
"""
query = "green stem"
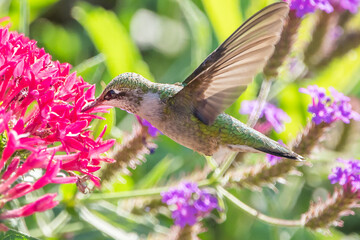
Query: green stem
(135, 193)
(220, 172)
(211, 162)
(257, 214)
(24, 17)
(89, 63)
(260, 103)
(126, 194)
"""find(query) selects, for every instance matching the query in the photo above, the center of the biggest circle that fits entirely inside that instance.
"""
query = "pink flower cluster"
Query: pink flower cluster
(41, 123)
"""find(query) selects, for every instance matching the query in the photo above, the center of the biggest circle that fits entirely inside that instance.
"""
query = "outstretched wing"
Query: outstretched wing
(227, 71)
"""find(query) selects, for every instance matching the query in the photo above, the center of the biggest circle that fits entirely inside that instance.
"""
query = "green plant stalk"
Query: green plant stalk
(136, 193)
(253, 212)
(24, 17)
(345, 44)
(89, 63)
(260, 103)
(221, 171)
(325, 214)
(282, 50)
(211, 162)
(320, 31)
(283, 47)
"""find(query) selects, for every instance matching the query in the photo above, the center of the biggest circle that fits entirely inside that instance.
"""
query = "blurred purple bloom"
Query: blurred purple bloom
(348, 176)
(191, 203)
(274, 116)
(153, 131)
(350, 5)
(274, 159)
(303, 7)
(327, 109)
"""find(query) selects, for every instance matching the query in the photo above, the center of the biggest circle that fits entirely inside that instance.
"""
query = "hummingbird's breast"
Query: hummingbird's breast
(187, 130)
(179, 124)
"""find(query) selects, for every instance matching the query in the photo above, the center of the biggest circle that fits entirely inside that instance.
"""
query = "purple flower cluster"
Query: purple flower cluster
(274, 116)
(349, 176)
(350, 5)
(303, 7)
(329, 109)
(191, 203)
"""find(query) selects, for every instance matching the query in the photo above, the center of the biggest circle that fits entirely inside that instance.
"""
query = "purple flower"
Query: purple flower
(342, 5)
(274, 116)
(274, 159)
(153, 131)
(329, 109)
(303, 7)
(191, 203)
(348, 176)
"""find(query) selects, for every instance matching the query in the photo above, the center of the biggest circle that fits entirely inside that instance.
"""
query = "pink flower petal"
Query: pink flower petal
(42, 204)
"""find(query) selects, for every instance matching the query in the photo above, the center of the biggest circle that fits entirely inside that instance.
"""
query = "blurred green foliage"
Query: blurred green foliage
(164, 40)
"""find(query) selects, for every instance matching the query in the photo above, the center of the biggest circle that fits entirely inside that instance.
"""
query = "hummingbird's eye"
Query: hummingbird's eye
(110, 95)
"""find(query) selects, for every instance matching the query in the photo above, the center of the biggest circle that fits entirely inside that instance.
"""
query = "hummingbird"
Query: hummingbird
(191, 113)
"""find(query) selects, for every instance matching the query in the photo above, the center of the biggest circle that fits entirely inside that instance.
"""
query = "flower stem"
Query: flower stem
(320, 31)
(89, 63)
(220, 172)
(127, 154)
(257, 214)
(327, 213)
(135, 193)
(24, 17)
(345, 44)
(260, 103)
(211, 162)
(283, 47)
(126, 194)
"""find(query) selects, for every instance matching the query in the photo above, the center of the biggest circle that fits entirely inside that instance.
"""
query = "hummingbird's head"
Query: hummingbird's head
(125, 91)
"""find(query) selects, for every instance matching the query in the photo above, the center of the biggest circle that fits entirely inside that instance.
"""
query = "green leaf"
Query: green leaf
(64, 44)
(14, 235)
(225, 16)
(160, 171)
(255, 6)
(104, 226)
(292, 102)
(33, 10)
(200, 31)
(67, 192)
(112, 39)
(342, 73)
(100, 124)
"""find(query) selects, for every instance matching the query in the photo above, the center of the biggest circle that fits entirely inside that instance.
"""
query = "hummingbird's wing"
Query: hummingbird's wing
(227, 71)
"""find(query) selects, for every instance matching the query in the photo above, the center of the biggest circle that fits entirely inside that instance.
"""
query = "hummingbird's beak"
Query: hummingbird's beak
(91, 105)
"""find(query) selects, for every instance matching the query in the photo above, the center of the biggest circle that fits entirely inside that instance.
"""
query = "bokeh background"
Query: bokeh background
(165, 40)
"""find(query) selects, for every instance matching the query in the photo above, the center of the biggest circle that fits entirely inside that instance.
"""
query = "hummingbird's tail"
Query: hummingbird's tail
(270, 147)
(246, 139)
(282, 151)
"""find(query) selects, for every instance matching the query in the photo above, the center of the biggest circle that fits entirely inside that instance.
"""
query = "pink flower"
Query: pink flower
(42, 204)
(42, 124)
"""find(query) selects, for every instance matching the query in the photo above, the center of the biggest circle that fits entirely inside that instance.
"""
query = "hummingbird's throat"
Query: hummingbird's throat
(151, 107)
